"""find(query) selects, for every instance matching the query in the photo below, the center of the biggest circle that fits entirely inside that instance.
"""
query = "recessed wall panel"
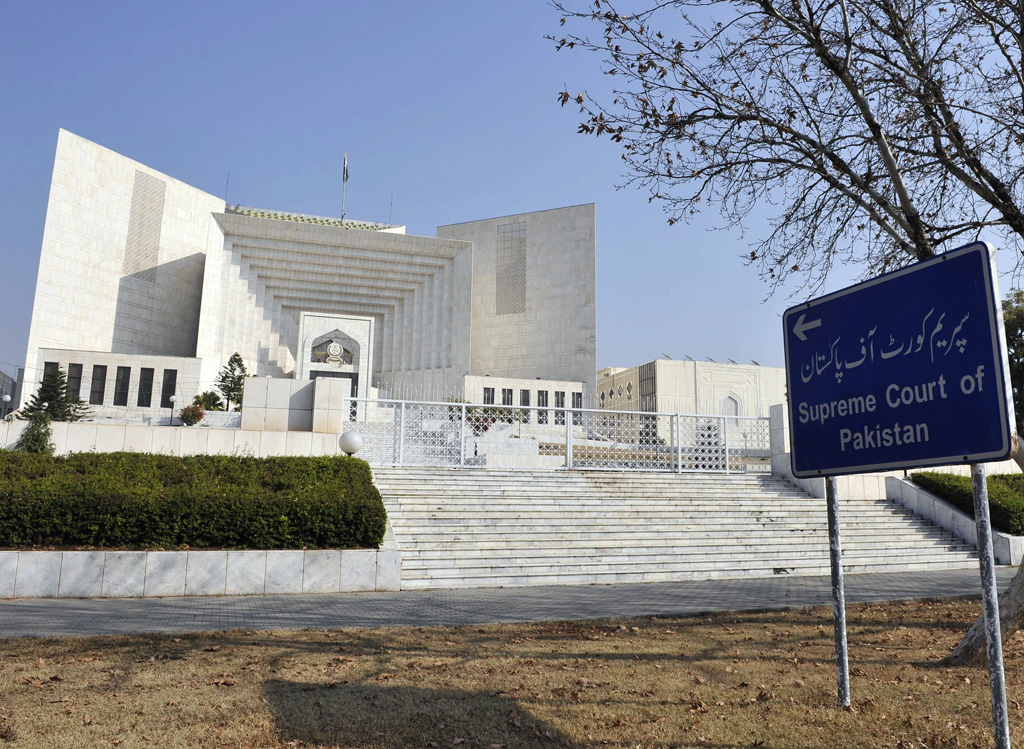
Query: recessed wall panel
(510, 276)
(142, 248)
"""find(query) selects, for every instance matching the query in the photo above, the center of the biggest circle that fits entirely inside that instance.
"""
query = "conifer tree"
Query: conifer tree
(60, 405)
(36, 437)
(230, 381)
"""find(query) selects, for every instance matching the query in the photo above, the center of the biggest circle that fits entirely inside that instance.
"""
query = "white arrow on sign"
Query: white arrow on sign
(801, 327)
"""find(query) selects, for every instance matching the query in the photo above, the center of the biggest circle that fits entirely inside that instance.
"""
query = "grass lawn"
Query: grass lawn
(726, 680)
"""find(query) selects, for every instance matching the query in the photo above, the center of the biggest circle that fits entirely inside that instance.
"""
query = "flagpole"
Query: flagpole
(344, 183)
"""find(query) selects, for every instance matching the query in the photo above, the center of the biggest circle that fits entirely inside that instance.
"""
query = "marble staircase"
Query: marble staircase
(491, 528)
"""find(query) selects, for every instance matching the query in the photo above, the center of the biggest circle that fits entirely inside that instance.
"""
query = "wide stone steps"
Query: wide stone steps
(464, 528)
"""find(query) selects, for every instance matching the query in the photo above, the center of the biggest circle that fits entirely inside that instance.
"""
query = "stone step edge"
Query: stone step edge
(661, 530)
(589, 479)
(534, 526)
(467, 551)
(447, 499)
(640, 500)
(439, 573)
(453, 552)
(455, 557)
(504, 483)
(413, 583)
(780, 566)
(461, 566)
(151, 574)
(527, 490)
(674, 536)
(515, 539)
(679, 514)
(583, 477)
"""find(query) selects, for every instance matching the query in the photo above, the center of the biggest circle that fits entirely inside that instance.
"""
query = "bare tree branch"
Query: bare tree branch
(880, 130)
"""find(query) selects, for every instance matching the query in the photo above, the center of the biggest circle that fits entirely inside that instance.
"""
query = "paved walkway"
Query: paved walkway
(52, 617)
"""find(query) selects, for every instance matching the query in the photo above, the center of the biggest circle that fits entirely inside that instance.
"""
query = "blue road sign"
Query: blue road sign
(905, 370)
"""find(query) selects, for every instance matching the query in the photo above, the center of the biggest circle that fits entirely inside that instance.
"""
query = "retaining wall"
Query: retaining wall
(1007, 549)
(84, 436)
(147, 574)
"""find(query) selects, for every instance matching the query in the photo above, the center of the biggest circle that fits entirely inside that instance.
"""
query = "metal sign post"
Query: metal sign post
(838, 595)
(990, 598)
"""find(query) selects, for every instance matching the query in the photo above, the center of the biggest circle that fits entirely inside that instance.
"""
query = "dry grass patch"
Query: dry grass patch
(730, 680)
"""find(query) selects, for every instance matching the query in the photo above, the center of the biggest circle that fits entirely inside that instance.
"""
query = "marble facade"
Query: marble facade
(138, 269)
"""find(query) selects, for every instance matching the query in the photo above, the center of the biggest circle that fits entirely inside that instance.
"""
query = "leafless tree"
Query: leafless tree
(877, 130)
(867, 132)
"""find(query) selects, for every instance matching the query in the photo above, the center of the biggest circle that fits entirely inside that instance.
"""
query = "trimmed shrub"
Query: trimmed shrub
(191, 415)
(1005, 496)
(142, 501)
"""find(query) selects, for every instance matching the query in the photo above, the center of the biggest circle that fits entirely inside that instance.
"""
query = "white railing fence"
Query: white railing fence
(407, 433)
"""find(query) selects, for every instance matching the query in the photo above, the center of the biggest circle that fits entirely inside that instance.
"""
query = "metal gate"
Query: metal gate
(413, 433)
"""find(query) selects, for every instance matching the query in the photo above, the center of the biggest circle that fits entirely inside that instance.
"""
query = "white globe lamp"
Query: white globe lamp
(351, 442)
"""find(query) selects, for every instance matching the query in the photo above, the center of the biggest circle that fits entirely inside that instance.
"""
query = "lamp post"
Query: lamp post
(6, 399)
(171, 400)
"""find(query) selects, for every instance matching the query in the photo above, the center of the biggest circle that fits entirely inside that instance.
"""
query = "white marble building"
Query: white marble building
(692, 387)
(139, 271)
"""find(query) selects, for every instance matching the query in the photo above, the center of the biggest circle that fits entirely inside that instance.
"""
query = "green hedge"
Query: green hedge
(1005, 496)
(141, 501)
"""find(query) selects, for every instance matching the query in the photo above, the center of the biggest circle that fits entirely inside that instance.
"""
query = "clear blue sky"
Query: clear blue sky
(448, 106)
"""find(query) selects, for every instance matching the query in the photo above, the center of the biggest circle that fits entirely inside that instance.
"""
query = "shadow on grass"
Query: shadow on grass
(400, 716)
(778, 636)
